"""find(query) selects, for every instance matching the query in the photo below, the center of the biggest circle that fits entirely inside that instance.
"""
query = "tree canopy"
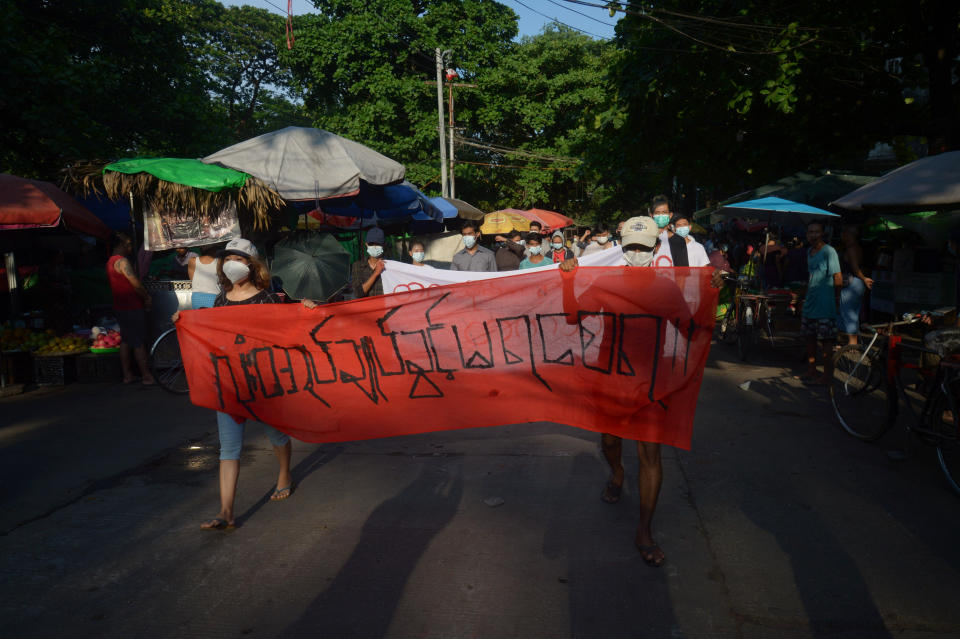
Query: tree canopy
(701, 98)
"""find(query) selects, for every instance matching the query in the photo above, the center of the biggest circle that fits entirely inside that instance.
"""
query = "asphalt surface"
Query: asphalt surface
(776, 524)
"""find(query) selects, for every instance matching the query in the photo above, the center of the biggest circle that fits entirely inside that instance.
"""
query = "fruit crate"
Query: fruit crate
(99, 367)
(54, 370)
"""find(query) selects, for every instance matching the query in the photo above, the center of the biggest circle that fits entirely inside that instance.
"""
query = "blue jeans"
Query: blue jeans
(231, 436)
(850, 298)
(202, 300)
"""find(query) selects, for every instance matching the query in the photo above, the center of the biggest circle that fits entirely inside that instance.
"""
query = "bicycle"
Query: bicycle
(868, 389)
(166, 363)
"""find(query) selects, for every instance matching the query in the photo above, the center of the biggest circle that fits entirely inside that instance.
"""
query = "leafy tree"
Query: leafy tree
(363, 68)
(238, 48)
(542, 98)
(723, 96)
(91, 79)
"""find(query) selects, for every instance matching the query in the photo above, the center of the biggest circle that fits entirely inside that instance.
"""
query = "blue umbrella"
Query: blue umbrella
(775, 209)
(422, 223)
(395, 202)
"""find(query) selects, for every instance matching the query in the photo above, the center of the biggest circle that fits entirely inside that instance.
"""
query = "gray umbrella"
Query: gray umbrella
(310, 265)
(304, 164)
(927, 184)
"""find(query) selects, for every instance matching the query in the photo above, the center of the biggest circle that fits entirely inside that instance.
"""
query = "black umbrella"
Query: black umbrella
(311, 265)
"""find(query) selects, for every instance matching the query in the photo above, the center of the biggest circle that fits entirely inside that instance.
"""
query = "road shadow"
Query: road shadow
(833, 591)
(303, 469)
(362, 598)
(612, 592)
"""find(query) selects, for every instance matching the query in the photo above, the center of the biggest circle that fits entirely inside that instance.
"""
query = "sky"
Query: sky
(534, 14)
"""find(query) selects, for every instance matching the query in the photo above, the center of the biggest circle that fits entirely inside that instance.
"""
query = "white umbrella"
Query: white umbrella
(305, 164)
(931, 183)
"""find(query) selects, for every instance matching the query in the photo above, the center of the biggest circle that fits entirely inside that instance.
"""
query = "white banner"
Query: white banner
(398, 276)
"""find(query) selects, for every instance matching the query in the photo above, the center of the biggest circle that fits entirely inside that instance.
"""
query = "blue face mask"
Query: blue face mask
(469, 241)
(682, 231)
(661, 219)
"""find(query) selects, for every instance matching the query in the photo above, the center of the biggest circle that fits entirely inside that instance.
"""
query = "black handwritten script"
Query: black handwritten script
(452, 356)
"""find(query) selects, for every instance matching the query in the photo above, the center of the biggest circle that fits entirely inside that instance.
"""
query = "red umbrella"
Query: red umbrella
(32, 204)
(550, 219)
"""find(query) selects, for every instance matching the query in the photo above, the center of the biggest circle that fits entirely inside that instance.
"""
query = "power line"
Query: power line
(520, 166)
(569, 26)
(514, 151)
(607, 24)
(728, 47)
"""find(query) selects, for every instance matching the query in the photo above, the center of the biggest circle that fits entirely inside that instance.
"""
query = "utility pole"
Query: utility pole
(452, 186)
(443, 145)
(450, 86)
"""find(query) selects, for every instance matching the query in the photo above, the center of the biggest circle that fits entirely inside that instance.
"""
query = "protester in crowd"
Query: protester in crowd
(795, 262)
(685, 250)
(601, 241)
(536, 227)
(365, 273)
(558, 252)
(244, 279)
(773, 256)
(535, 246)
(718, 258)
(640, 236)
(418, 253)
(130, 301)
(510, 251)
(473, 257)
(660, 212)
(821, 304)
(855, 283)
(202, 272)
(181, 259)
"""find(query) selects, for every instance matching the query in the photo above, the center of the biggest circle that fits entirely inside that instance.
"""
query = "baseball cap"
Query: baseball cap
(239, 246)
(376, 236)
(640, 230)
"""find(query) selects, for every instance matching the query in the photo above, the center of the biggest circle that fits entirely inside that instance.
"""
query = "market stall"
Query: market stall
(43, 233)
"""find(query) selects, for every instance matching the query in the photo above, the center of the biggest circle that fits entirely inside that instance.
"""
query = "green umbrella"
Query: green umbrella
(310, 265)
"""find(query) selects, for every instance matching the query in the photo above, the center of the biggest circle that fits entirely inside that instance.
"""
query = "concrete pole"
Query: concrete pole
(452, 185)
(443, 142)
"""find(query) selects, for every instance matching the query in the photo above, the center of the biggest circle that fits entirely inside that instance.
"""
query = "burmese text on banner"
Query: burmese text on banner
(609, 349)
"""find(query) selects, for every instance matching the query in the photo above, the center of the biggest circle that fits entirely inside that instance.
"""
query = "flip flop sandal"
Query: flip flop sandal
(221, 524)
(649, 554)
(611, 493)
(279, 494)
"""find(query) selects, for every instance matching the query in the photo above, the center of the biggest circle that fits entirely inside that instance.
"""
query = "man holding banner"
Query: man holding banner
(641, 240)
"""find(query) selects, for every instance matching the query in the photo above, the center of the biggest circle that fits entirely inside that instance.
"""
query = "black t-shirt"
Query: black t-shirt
(263, 297)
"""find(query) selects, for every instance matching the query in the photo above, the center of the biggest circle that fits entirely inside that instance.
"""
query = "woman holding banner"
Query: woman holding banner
(244, 279)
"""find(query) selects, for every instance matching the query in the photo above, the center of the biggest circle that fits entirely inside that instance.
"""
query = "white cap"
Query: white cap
(639, 230)
(239, 246)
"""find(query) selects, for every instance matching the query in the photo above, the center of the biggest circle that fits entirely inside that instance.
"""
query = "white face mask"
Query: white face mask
(535, 250)
(374, 251)
(638, 258)
(469, 241)
(418, 256)
(602, 239)
(236, 271)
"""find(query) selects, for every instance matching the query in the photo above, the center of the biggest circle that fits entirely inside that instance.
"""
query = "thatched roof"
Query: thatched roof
(254, 197)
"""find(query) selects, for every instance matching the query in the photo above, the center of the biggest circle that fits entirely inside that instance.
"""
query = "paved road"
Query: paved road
(776, 524)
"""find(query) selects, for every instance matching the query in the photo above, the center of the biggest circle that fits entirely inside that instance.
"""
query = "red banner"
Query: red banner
(613, 349)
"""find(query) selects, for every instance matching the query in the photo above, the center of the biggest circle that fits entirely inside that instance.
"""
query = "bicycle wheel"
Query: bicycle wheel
(945, 424)
(860, 399)
(167, 364)
(746, 331)
(728, 326)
